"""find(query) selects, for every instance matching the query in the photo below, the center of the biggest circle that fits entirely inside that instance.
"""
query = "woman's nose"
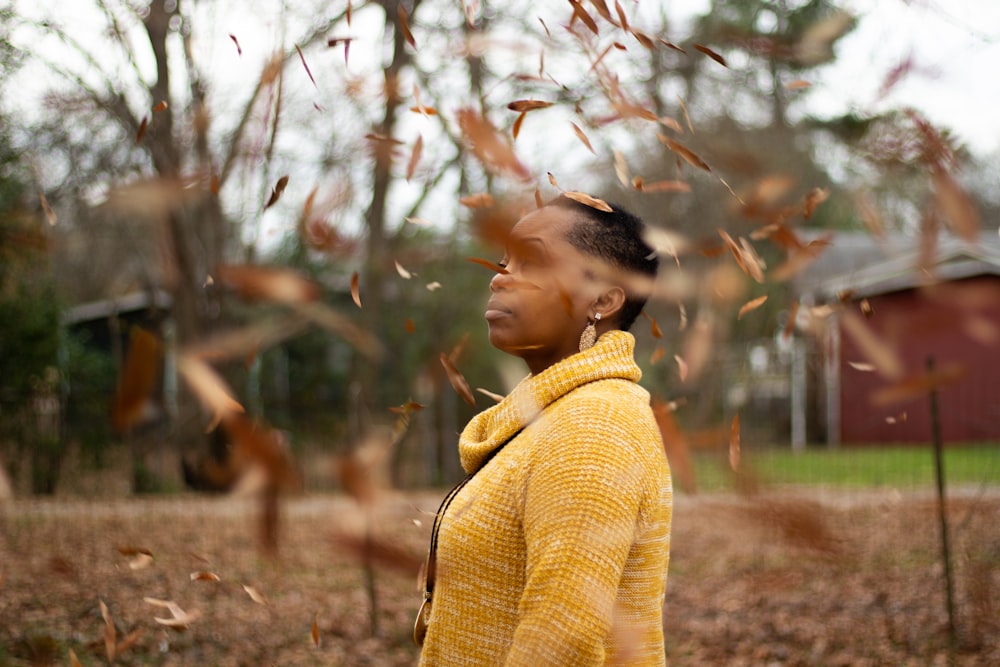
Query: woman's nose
(499, 281)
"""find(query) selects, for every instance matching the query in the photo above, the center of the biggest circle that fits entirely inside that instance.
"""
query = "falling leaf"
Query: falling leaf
(268, 283)
(955, 205)
(516, 129)
(524, 106)
(680, 149)
(128, 641)
(682, 367)
(143, 125)
(687, 116)
(139, 376)
(665, 186)
(279, 187)
(50, 215)
(457, 380)
(734, 444)
(255, 594)
(800, 258)
(580, 13)
(485, 392)
(493, 266)
(918, 385)
(179, 619)
(404, 25)
(861, 366)
(477, 200)
(879, 352)
(490, 147)
(239, 50)
(657, 356)
(621, 168)
(305, 65)
(622, 19)
(418, 221)
(675, 445)
(582, 137)
(407, 408)
(315, 629)
(866, 308)
(110, 634)
(73, 660)
(418, 147)
(204, 576)
(711, 54)
(797, 84)
(373, 136)
(355, 289)
(431, 287)
(592, 202)
(160, 106)
(753, 304)
(654, 327)
(403, 273)
(815, 197)
(207, 385)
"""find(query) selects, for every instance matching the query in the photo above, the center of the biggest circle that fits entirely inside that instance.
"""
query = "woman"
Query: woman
(555, 550)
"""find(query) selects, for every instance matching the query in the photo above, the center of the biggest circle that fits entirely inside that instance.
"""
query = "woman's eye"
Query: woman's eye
(502, 263)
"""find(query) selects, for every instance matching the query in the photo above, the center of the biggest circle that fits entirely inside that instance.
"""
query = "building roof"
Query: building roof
(96, 310)
(862, 265)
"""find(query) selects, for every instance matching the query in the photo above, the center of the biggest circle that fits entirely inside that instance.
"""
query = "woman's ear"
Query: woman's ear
(610, 303)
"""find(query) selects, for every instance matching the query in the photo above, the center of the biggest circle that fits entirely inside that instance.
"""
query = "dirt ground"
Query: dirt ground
(796, 578)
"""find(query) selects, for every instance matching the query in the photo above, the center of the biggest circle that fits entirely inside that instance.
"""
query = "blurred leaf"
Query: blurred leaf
(457, 380)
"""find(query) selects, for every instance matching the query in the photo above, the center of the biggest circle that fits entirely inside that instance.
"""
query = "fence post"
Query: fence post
(942, 514)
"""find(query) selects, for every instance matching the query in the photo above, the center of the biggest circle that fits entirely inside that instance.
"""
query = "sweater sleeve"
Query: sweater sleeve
(582, 500)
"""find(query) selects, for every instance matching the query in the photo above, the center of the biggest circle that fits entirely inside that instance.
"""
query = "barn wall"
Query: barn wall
(958, 325)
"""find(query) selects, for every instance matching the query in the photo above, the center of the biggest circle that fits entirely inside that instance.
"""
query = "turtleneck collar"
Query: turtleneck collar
(611, 357)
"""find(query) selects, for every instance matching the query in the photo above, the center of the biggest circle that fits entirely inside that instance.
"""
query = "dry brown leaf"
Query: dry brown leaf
(580, 13)
(204, 576)
(489, 146)
(207, 385)
(315, 629)
(682, 367)
(50, 215)
(457, 380)
(621, 168)
(800, 258)
(583, 137)
(255, 594)
(356, 289)
(814, 198)
(141, 132)
(239, 49)
(418, 147)
(478, 200)
(128, 641)
(675, 445)
(711, 54)
(862, 366)
(919, 385)
(110, 633)
(790, 323)
(797, 84)
(179, 619)
(492, 266)
(683, 151)
(424, 110)
(955, 205)
(524, 106)
(73, 660)
(734, 444)
(403, 273)
(404, 25)
(657, 356)
(876, 350)
(268, 283)
(305, 65)
(665, 186)
(753, 304)
(279, 188)
(139, 376)
(516, 130)
(592, 202)
(485, 392)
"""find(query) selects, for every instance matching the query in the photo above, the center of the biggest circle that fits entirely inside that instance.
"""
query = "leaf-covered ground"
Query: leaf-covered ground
(792, 579)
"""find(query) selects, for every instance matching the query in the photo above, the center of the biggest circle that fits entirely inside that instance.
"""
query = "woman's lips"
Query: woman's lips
(495, 310)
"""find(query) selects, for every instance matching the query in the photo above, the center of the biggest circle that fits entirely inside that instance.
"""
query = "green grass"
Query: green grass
(910, 466)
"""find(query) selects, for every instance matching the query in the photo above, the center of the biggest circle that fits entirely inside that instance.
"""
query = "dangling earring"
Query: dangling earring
(589, 335)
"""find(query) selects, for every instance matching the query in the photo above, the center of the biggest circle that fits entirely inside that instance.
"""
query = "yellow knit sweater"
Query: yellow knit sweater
(556, 552)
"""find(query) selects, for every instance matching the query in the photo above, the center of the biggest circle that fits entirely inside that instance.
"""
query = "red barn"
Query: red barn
(898, 314)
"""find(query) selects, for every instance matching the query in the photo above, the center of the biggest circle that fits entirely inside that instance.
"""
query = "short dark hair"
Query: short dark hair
(618, 238)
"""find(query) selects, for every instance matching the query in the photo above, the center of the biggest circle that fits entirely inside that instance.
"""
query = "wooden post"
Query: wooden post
(942, 514)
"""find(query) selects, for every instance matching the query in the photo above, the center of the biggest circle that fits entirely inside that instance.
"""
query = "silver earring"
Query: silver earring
(589, 335)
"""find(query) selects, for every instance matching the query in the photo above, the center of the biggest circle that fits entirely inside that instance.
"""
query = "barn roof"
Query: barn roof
(864, 266)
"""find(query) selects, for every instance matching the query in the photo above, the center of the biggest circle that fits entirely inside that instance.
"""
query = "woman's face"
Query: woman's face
(538, 309)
